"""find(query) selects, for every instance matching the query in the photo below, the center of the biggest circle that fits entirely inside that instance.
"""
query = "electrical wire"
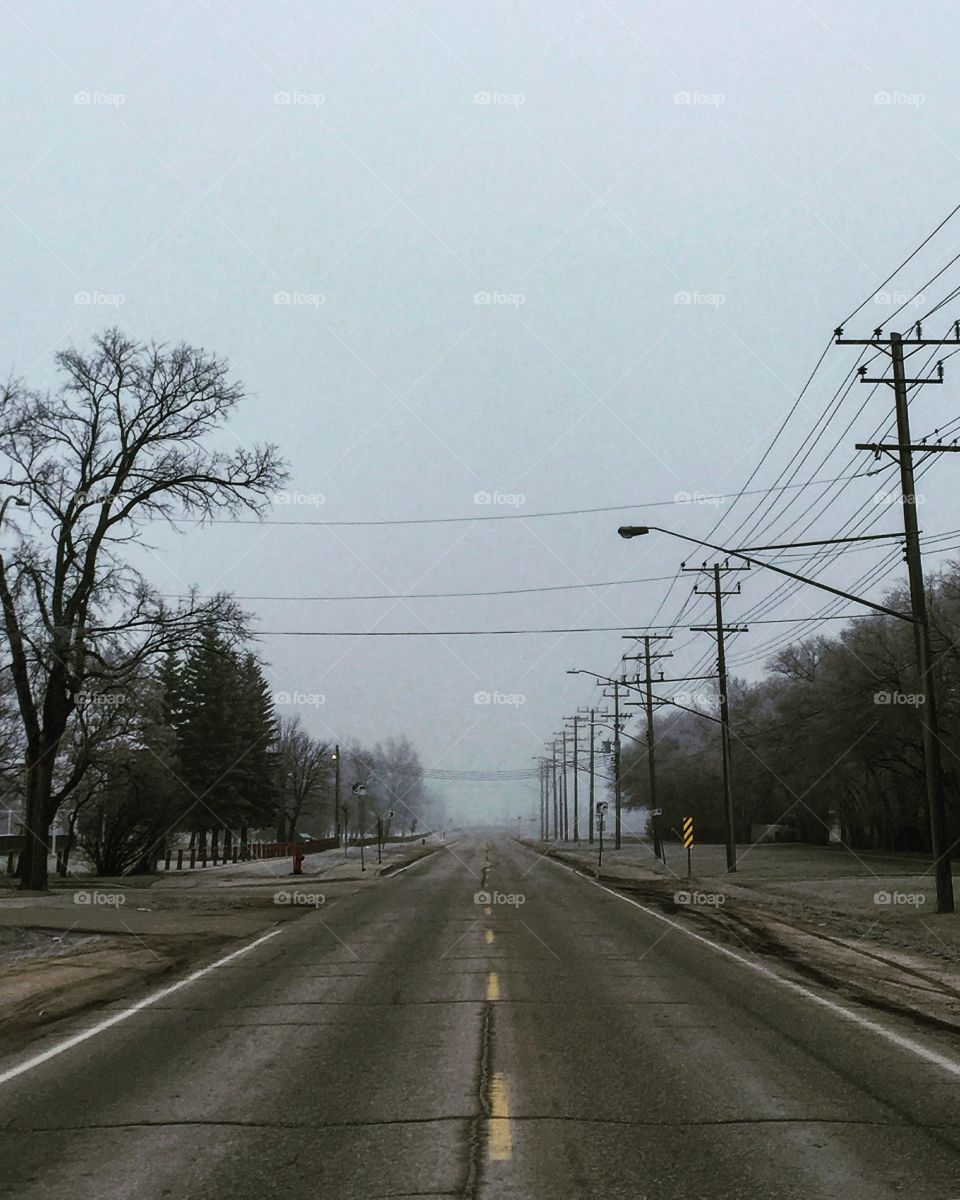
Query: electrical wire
(912, 255)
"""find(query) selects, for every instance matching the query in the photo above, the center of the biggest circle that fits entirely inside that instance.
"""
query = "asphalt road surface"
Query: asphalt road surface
(412, 1040)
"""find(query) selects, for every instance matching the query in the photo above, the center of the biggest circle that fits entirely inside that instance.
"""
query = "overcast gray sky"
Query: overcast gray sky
(563, 254)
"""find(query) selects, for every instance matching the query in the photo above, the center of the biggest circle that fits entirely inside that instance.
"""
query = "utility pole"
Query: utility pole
(336, 791)
(563, 787)
(718, 629)
(543, 799)
(576, 780)
(617, 822)
(647, 658)
(589, 718)
(592, 784)
(651, 737)
(553, 779)
(902, 453)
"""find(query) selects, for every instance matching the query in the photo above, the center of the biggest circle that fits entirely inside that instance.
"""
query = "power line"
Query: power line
(690, 499)
(913, 254)
(559, 587)
(362, 633)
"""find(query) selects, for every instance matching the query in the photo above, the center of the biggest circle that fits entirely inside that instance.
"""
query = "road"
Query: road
(406, 1041)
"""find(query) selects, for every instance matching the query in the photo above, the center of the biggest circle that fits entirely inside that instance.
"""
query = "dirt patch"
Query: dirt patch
(39, 991)
(90, 942)
(902, 964)
(60, 960)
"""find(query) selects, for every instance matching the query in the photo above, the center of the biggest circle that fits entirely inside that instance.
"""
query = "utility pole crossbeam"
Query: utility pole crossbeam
(917, 447)
(719, 630)
(926, 707)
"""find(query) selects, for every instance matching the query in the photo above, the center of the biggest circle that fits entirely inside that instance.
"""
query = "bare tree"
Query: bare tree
(399, 773)
(306, 768)
(121, 442)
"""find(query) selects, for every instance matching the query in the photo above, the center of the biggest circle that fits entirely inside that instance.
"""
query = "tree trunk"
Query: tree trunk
(63, 859)
(37, 820)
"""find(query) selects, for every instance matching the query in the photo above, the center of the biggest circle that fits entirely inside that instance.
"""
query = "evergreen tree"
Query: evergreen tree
(256, 772)
(208, 741)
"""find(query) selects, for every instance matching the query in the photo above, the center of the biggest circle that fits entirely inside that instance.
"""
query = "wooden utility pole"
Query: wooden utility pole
(564, 813)
(618, 823)
(576, 779)
(336, 791)
(718, 629)
(902, 453)
(592, 783)
(648, 658)
(556, 800)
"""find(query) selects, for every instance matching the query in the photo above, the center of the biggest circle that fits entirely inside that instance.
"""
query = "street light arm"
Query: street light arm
(635, 687)
(604, 678)
(632, 531)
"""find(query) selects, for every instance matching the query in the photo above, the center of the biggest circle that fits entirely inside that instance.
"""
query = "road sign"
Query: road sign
(687, 832)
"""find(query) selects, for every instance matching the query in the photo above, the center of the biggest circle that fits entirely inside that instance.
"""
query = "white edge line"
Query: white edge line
(905, 1043)
(125, 1013)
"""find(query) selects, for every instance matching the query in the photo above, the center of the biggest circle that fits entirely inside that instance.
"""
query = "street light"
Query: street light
(632, 531)
(936, 808)
(16, 501)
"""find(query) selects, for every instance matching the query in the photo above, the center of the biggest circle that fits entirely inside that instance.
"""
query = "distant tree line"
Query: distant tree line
(829, 741)
(196, 751)
(129, 720)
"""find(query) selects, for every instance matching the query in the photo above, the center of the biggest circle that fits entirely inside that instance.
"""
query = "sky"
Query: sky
(484, 262)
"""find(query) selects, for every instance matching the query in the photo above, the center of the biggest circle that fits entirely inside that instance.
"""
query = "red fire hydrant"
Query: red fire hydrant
(297, 848)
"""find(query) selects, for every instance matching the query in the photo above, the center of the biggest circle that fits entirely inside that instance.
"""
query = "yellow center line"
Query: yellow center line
(499, 1135)
(488, 937)
(493, 986)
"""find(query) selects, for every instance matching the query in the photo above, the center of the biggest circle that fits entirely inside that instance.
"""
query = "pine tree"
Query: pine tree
(209, 743)
(256, 774)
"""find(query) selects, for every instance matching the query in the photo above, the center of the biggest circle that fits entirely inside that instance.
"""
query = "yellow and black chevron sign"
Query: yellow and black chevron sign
(687, 832)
